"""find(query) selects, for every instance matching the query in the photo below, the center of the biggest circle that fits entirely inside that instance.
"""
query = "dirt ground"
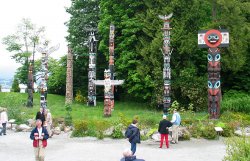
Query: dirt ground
(18, 147)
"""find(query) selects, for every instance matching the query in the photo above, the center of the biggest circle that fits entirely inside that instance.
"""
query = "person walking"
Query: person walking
(48, 122)
(163, 130)
(39, 135)
(176, 121)
(133, 135)
(3, 120)
(40, 115)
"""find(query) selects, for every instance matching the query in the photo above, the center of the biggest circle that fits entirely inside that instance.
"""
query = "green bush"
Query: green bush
(101, 126)
(80, 98)
(209, 131)
(117, 132)
(80, 128)
(238, 149)
(152, 131)
(236, 101)
(124, 120)
(196, 130)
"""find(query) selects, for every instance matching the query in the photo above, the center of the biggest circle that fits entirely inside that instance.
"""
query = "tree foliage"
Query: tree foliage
(15, 85)
(138, 39)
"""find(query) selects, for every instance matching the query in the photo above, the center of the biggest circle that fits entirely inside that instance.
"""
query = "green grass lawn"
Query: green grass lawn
(82, 111)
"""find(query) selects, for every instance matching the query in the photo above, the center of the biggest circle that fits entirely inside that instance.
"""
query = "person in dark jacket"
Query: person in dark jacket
(133, 135)
(40, 115)
(163, 130)
(39, 135)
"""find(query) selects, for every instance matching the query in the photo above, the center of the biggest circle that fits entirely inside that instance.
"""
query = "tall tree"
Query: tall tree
(84, 16)
(23, 44)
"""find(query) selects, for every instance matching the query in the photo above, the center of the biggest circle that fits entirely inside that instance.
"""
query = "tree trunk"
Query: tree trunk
(69, 79)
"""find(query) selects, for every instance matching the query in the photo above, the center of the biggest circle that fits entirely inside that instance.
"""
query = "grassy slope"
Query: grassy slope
(81, 111)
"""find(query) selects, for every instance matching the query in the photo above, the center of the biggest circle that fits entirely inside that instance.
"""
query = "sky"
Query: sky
(48, 13)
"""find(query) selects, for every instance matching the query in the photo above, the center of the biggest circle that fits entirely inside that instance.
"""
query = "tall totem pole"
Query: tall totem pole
(166, 51)
(69, 79)
(111, 61)
(92, 43)
(30, 85)
(108, 93)
(44, 73)
(212, 39)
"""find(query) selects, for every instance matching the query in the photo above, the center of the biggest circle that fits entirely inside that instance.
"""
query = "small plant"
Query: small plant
(80, 98)
(238, 148)
(209, 132)
(151, 132)
(101, 126)
(117, 132)
(80, 128)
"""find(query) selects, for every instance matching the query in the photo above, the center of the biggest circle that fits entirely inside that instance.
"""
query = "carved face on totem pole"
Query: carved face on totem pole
(214, 87)
(213, 58)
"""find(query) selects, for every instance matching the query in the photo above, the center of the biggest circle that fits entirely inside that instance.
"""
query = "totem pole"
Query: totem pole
(69, 80)
(111, 61)
(166, 51)
(108, 83)
(92, 43)
(44, 73)
(30, 86)
(212, 39)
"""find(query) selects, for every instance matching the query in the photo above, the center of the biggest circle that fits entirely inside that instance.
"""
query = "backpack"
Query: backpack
(128, 133)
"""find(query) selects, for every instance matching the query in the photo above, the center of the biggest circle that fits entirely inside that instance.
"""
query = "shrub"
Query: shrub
(196, 130)
(238, 148)
(101, 126)
(209, 132)
(151, 132)
(80, 128)
(123, 120)
(80, 98)
(236, 101)
(117, 132)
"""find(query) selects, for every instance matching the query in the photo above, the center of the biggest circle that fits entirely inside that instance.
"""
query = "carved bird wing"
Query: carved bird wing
(99, 82)
(166, 17)
(53, 48)
(117, 82)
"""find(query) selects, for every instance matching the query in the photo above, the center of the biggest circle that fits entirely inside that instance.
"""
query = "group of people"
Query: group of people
(3, 121)
(41, 133)
(133, 135)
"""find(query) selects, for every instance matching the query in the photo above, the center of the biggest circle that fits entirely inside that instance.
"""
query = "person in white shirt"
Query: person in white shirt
(176, 121)
(48, 121)
(4, 120)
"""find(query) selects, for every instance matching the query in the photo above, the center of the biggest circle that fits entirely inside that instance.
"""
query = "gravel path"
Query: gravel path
(18, 147)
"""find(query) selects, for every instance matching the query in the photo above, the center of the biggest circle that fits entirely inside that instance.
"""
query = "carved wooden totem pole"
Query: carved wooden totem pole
(108, 83)
(92, 43)
(111, 61)
(166, 51)
(30, 86)
(44, 73)
(212, 39)
(69, 80)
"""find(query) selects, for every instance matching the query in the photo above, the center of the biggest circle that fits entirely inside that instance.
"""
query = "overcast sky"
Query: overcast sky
(48, 13)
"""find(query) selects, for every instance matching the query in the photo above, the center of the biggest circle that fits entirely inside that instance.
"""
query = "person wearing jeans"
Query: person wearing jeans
(163, 130)
(176, 120)
(134, 135)
(4, 120)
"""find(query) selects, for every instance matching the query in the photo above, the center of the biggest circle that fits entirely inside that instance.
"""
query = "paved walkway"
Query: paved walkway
(18, 147)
